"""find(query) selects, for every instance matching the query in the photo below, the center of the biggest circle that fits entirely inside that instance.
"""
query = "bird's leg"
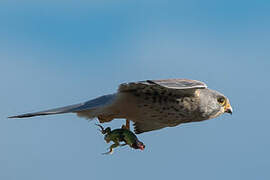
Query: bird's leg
(127, 126)
(116, 144)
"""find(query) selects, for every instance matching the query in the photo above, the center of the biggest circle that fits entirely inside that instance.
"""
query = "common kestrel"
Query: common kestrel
(151, 104)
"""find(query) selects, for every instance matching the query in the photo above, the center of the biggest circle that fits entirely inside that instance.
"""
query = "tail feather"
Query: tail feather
(76, 108)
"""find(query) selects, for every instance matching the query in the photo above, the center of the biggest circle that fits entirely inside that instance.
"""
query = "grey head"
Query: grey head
(213, 103)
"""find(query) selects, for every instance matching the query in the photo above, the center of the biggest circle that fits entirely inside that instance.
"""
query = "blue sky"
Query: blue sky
(55, 53)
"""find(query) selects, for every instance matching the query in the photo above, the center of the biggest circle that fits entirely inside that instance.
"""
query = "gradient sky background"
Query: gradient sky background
(56, 52)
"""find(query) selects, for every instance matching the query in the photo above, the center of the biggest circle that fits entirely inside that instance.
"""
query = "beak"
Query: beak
(228, 109)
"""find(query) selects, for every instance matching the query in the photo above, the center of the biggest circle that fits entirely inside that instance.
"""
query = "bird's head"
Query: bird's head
(138, 145)
(213, 103)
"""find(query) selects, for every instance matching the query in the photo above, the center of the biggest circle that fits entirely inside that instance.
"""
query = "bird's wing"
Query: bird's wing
(179, 83)
(141, 127)
(76, 108)
(179, 86)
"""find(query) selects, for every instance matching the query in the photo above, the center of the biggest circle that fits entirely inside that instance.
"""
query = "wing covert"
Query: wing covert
(179, 87)
(179, 83)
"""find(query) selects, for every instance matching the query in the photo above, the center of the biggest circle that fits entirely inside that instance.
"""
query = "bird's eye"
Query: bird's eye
(221, 101)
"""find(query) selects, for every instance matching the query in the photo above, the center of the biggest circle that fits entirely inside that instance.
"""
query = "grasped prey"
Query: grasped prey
(120, 135)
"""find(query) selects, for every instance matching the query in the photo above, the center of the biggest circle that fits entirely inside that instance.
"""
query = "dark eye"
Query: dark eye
(221, 101)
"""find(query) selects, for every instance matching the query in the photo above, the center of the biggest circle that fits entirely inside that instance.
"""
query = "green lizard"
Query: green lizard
(121, 135)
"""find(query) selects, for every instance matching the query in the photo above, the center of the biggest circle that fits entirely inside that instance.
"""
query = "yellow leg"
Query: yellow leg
(127, 126)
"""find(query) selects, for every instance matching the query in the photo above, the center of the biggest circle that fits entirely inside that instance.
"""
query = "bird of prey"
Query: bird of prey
(151, 104)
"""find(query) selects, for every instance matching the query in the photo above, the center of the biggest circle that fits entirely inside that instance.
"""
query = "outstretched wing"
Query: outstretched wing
(76, 108)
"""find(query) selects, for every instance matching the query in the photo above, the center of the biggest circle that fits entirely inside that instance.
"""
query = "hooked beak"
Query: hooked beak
(228, 109)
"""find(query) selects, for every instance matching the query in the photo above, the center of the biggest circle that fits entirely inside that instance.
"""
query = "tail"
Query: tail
(89, 106)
